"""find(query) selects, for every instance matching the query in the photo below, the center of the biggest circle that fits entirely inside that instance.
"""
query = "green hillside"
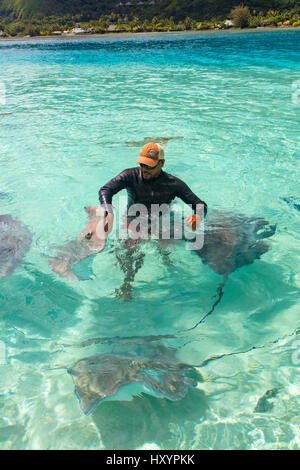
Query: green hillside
(179, 9)
(33, 8)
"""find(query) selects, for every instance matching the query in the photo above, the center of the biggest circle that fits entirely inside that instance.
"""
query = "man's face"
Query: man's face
(150, 173)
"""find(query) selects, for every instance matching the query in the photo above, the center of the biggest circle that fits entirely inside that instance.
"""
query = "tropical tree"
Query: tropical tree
(32, 30)
(240, 16)
(188, 23)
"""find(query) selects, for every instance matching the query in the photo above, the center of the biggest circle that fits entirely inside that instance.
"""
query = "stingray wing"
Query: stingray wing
(15, 240)
(101, 376)
(169, 379)
(232, 241)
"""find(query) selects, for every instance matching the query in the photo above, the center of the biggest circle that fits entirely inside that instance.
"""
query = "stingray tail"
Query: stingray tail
(219, 296)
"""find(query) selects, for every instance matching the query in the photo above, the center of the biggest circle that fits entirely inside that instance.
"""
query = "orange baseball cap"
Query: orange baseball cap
(151, 154)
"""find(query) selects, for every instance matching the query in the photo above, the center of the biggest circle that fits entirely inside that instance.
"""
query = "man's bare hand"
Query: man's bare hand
(193, 221)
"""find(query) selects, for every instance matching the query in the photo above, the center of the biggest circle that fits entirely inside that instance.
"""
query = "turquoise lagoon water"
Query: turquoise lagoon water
(75, 103)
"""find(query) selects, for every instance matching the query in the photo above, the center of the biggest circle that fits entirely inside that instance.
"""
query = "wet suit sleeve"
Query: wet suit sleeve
(111, 188)
(187, 196)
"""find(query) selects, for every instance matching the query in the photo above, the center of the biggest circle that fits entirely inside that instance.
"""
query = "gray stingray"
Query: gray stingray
(230, 242)
(101, 376)
(75, 251)
(72, 253)
(159, 140)
(15, 240)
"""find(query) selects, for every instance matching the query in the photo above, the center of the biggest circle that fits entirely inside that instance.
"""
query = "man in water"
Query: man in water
(147, 184)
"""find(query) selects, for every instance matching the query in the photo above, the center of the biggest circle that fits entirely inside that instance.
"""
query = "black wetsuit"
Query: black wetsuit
(160, 190)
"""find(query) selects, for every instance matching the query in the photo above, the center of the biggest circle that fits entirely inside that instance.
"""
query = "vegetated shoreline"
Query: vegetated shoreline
(155, 33)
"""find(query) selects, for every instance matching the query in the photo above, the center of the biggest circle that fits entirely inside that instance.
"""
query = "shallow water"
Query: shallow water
(75, 103)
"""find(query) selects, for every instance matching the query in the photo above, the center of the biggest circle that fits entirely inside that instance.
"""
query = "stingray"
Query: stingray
(101, 376)
(231, 242)
(74, 251)
(159, 140)
(15, 240)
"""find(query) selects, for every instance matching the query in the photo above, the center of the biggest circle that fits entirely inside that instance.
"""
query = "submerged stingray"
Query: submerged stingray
(159, 140)
(75, 251)
(230, 242)
(101, 376)
(70, 254)
(15, 240)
